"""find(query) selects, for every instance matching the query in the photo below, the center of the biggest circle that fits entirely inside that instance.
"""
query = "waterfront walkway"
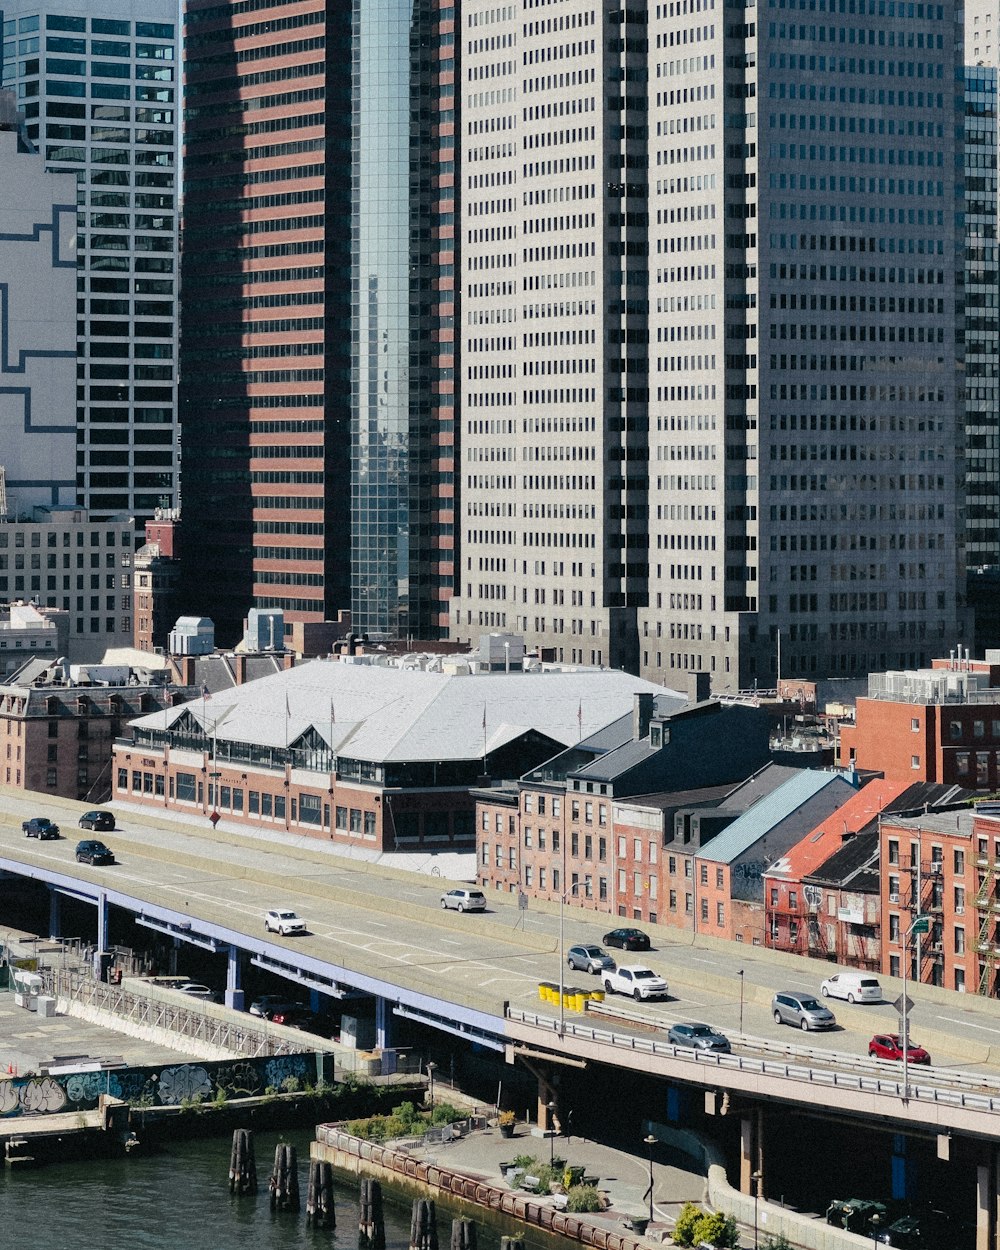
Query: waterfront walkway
(622, 1177)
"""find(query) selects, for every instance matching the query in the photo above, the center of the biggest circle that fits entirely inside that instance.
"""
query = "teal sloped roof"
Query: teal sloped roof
(768, 812)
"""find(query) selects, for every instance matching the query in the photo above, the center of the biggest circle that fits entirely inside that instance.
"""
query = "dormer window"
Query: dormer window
(656, 736)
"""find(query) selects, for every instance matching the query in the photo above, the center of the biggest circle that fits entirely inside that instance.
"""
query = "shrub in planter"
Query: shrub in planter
(583, 1198)
(778, 1242)
(717, 1229)
(686, 1222)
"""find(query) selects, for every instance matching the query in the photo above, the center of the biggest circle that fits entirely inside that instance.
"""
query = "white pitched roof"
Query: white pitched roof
(388, 714)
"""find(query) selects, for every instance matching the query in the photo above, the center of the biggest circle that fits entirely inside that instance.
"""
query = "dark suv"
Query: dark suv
(91, 851)
(100, 822)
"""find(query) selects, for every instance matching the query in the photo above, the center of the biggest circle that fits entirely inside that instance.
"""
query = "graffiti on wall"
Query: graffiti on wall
(169, 1086)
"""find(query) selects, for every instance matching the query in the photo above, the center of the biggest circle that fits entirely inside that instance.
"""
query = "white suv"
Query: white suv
(280, 920)
(464, 900)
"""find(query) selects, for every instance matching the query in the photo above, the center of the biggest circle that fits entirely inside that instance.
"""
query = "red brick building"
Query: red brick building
(946, 866)
(155, 582)
(370, 754)
(806, 920)
(591, 823)
(56, 733)
(938, 725)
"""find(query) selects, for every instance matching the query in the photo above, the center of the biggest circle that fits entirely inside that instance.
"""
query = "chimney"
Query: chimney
(699, 687)
(642, 714)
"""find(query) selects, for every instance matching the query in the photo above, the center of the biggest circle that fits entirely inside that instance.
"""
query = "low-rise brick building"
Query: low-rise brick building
(376, 754)
(940, 724)
(58, 724)
(576, 827)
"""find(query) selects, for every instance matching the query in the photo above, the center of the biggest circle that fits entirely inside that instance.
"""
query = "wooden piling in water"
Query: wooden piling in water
(423, 1225)
(284, 1182)
(463, 1235)
(320, 1208)
(371, 1224)
(242, 1164)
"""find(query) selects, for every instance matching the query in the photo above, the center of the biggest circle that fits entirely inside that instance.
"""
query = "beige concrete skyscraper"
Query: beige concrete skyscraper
(711, 382)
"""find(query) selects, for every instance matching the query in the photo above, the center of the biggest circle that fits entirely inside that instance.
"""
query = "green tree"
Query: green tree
(777, 1242)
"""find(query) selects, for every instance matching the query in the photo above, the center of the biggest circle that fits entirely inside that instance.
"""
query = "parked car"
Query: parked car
(890, 1046)
(100, 821)
(926, 1231)
(281, 920)
(92, 851)
(297, 1017)
(699, 1036)
(267, 1004)
(39, 827)
(464, 900)
(635, 979)
(854, 1214)
(627, 939)
(197, 990)
(589, 958)
(856, 987)
(801, 1010)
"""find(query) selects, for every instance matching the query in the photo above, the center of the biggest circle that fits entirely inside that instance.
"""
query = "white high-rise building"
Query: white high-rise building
(98, 84)
(711, 358)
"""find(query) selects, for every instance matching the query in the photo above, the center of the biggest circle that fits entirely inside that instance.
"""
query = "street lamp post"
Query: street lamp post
(755, 1177)
(431, 1068)
(920, 924)
(876, 1222)
(650, 1141)
(551, 1107)
(562, 950)
(740, 974)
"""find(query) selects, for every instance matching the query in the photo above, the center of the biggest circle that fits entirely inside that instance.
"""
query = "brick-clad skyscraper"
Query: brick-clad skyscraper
(317, 332)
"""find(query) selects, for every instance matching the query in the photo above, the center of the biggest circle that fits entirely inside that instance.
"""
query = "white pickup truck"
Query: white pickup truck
(635, 979)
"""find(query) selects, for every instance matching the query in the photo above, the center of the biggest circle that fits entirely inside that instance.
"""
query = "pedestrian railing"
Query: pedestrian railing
(940, 1087)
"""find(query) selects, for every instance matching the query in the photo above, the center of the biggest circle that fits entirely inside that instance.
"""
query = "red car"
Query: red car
(890, 1046)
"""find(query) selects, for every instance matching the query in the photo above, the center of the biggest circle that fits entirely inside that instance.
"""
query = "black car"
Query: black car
(98, 821)
(627, 939)
(39, 827)
(91, 851)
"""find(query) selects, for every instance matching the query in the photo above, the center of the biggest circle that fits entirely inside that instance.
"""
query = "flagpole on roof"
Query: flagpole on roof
(484, 738)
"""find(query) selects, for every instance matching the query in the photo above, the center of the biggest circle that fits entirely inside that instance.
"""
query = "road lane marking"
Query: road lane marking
(969, 1024)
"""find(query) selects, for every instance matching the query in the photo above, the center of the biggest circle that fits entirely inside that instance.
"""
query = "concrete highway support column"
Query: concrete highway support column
(751, 1150)
(234, 990)
(102, 922)
(55, 913)
(987, 1213)
(384, 1024)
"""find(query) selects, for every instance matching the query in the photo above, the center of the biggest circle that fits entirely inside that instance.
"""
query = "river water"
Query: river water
(179, 1200)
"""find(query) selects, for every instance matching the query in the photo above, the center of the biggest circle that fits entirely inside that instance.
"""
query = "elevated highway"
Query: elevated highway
(382, 934)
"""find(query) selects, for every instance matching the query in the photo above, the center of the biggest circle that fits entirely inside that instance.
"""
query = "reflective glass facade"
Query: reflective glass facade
(402, 244)
(380, 321)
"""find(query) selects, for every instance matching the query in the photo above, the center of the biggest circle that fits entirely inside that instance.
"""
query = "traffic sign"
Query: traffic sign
(921, 924)
(903, 1004)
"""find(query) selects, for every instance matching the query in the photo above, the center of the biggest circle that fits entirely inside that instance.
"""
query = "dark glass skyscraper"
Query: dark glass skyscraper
(311, 349)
